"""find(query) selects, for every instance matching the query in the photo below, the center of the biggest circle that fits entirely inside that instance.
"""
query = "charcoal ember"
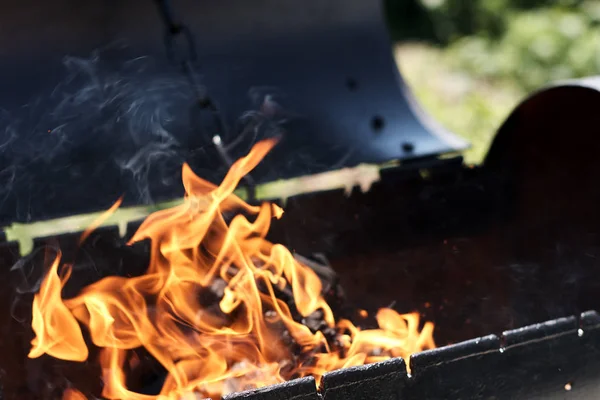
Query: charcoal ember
(271, 316)
(278, 326)
(214, 315)
(284, 293)
(307, 358)
(321, 267)
(331, 334)
(143, 372)
(274, 322)
(213, 293)
(287, 369)
(218, 286)
(332, 290)
(209, 298)
(290, 342)
(315, 321)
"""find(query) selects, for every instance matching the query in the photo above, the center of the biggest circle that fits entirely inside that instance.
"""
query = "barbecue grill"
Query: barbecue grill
(102, 99)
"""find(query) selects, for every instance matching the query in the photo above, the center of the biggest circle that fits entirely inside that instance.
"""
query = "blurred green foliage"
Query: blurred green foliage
(531, 42)
(537, 46)
(504, 47)
(468, 106)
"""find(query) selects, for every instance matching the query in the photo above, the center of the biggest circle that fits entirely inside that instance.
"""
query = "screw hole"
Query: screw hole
(408, 147)
(352, 84)
(377, 123)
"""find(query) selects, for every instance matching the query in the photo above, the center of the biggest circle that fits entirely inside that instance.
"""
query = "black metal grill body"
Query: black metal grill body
(490, 249)
(552, 360)
(94, 109)
(557, 359)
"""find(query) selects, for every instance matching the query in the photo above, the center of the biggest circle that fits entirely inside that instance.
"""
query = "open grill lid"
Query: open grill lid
(92, 109)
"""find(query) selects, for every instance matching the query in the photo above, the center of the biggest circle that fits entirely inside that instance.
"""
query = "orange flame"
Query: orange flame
(73, 394)
(56, 329)
(98, 221)
(249, 337)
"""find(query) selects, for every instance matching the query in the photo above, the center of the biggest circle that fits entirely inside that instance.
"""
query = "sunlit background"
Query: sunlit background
(470, 62)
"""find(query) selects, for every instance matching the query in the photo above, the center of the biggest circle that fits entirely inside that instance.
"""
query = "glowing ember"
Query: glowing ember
(249, 337)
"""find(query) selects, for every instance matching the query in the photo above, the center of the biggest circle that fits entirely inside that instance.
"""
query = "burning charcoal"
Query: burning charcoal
(212, 294)
(274, 321)
(315, 321)
(323, 270)
(330, 334)
(288, 340)
(144, 372)
(332, 290)
(284, 294)
(214, 314)
(218, 286)
(287, 368)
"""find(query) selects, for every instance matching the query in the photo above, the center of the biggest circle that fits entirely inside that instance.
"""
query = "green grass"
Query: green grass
(473, 108)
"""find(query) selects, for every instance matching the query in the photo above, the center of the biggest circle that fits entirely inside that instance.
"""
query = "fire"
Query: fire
(73, 394)
(248, 336)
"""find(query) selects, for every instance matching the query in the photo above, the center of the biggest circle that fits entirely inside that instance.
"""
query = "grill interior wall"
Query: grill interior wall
(420, 245)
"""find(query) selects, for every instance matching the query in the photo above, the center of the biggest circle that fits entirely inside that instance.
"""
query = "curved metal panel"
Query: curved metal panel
(568, 97)
(92, 109)
(544, 162)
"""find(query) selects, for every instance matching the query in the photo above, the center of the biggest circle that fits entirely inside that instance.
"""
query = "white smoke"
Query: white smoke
(138, 120)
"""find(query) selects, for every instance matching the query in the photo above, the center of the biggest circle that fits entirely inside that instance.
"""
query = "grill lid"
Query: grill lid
(92, 109)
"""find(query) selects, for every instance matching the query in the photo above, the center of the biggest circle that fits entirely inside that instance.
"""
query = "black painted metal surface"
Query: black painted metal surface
(540, 361)
(299, 389)
(542, 262)
(384, 380)
(558, 359)
(91, 108)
